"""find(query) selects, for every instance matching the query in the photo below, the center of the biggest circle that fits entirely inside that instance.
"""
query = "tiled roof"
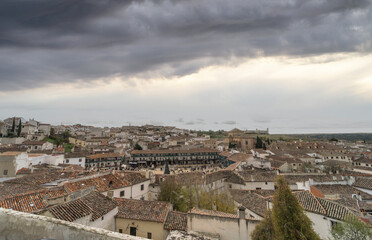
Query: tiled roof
(258, 176)
(291, 179)
(322, 206)
(71, 211)
(334, 210)
(176, 221)
(250, 200)
(102, 183)
(153, 211)
(363, 182)
(218, 175)
(32, 201)
(235, 178)
(238, 157)
(93, 203)
(337, 189)
(309, 202)
(212, 213)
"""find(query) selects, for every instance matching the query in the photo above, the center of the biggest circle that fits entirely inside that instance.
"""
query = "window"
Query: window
(122, 193)
(230, 186)
(102, 218)
(149, 235)
(67, 160)
(5, 172)
(79, 159)
(142, 187)
(120, 230)
(258, 188)
(265, 183)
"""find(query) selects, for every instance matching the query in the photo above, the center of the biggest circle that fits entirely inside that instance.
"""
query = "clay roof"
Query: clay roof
(153, 211)
(31, 202)
(250, 200)
(258, 176)
(218, 175)
(93, 203)
(238, 157)
(212, 213)
(176, 221)
(322, 206)
(363, 182)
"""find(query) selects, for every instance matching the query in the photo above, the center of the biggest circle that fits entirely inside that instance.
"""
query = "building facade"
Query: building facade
(153, 158)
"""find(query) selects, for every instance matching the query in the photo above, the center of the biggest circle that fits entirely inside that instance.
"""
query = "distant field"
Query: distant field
(325, 136)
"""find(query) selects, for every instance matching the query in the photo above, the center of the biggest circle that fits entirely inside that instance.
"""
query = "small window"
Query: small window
(230, 186)
(149, 235)
(120, 230)
(79, 159)
(67, 160)
(5, 172)
(122, 193)
(142, 187)
(102, 218)
(258, 188)
(265, 183)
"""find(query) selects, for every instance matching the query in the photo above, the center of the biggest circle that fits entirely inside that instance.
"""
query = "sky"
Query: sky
(293, 66)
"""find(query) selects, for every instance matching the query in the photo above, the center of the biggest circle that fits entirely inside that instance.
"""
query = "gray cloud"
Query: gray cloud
(45, 42)
(230, 122)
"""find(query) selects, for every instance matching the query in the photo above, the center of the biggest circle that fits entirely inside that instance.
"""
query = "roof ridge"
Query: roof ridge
(316, 199)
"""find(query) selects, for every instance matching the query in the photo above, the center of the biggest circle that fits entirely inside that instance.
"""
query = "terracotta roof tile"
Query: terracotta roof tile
(176, 221)
(142, 210)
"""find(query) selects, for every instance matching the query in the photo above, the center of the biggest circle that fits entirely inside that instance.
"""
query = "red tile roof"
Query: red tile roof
(153, 211)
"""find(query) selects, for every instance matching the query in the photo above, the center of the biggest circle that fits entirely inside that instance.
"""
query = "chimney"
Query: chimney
(242, 212)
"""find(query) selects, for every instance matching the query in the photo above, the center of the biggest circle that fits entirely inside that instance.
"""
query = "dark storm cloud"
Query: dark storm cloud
(43, 42)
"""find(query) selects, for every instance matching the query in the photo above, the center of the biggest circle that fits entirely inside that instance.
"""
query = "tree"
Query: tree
(352, 229)
(258, 142)
(13, 126)
(137, 147)
(265, 229)
(19, 128)
(170, 191)
(216, 201)
(52, 132)
(287, 219)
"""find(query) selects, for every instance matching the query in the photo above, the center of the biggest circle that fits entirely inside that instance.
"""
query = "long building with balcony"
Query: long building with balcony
(104, 161)
(154, 158)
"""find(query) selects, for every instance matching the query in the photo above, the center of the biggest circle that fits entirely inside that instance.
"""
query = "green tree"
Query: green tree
(13, 127)
(19, 128)
(216, 201)
(52, 132)
(170, 191)
(287, 219)
(137, 147)
(265, 229)
(258, 142)
(352, 229)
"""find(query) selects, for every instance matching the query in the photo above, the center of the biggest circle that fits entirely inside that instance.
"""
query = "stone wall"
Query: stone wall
(17, 226)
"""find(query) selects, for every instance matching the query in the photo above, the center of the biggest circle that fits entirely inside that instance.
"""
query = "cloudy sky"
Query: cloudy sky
(288, 65)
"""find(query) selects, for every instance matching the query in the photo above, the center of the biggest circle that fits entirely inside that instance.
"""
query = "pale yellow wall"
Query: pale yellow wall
(143, 227)
(7, 163)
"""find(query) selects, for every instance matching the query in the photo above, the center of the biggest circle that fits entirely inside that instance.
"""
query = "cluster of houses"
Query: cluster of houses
(110, 179)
